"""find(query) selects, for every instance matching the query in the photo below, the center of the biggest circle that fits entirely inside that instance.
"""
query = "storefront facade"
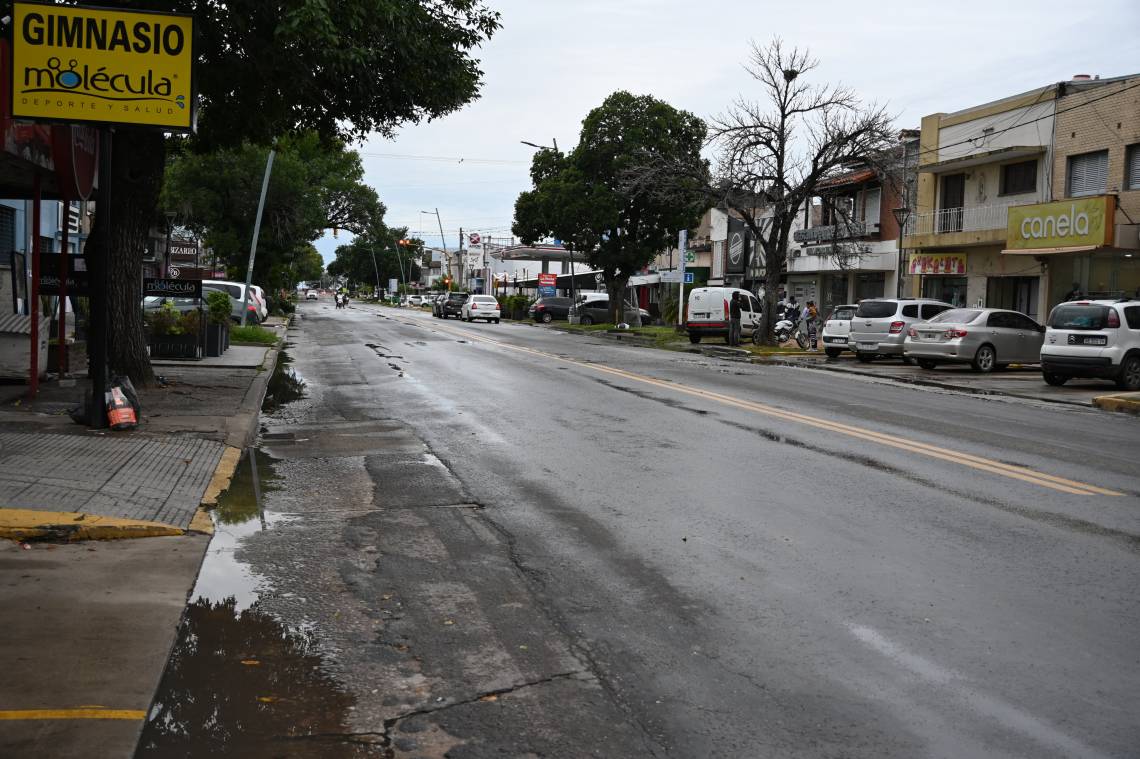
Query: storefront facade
(1081, 246)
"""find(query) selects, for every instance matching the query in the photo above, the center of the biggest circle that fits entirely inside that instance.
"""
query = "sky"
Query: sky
(554, 60)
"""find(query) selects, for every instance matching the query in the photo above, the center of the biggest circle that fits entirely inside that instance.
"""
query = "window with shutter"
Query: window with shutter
(872, 209)
(1088, 174)
(1018, 178)
(1132, 168)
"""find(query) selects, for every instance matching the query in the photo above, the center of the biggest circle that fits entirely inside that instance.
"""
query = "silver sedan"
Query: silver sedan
(985, 338)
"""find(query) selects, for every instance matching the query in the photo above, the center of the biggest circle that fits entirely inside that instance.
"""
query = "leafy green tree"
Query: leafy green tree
(354, 261)
(585, 197)
(314, 185)
(343, 69)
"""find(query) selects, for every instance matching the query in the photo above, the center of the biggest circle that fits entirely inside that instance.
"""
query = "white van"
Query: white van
(709, 313)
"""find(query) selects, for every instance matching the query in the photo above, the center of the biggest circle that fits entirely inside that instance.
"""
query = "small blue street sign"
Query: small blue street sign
(688, 278)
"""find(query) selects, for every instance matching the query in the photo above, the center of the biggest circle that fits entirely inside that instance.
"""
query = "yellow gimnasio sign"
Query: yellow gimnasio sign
(1064, 223)
(88, 64)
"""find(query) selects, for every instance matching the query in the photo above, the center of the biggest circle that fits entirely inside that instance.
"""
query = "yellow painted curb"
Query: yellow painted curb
(1128, 403)
(71, 526)
(85, 713)
(223, 474)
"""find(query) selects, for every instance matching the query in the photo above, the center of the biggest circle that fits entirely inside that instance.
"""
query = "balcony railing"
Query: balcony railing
(970, 219)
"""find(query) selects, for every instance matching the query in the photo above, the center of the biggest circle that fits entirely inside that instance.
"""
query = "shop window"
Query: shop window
(7, 230)
(1018, 178)
(1088, 174)
(1132, 168)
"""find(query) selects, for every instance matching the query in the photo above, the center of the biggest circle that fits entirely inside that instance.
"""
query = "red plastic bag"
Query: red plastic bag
(120, 411)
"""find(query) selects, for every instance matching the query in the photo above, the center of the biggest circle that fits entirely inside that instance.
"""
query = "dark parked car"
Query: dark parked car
(437, 304)
(453, 306)
(546, 310)
(598, 312)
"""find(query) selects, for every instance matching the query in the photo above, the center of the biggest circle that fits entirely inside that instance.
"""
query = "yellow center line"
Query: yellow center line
(1013, 471)
(86, 713)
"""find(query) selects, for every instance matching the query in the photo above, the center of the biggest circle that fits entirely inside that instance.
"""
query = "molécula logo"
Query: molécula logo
(73, 79)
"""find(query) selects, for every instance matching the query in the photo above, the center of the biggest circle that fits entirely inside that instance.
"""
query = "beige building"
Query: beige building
(1096, 156)
(1072, 139)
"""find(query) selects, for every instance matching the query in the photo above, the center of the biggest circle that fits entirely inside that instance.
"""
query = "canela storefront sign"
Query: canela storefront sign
(99, 65)
(1064, 223)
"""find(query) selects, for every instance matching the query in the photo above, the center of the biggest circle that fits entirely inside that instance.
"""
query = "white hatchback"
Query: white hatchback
(837, 330)
(481, 307)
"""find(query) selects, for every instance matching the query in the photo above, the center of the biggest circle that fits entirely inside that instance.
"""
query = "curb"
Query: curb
(1127, 404)
(72, 527)
(932, 383)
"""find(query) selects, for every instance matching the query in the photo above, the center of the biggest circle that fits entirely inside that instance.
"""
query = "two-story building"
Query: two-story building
(848, 249)
(1089, 235)
(1071, 139)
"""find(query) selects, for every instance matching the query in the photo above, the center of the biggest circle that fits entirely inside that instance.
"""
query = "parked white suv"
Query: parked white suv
(1093, 338)
(879, 325)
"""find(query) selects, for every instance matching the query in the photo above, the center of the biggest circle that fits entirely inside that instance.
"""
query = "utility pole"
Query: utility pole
(256, 232)
(443, 240)
(372, 248)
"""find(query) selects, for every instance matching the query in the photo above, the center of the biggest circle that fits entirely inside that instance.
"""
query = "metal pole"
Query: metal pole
(63, 268)
(375, 269)
(443, 242)
(34, 292)
(97, 266)
(256, 232)
(682, 244)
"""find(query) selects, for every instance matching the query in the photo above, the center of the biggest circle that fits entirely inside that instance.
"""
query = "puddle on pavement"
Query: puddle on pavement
(285, 386)
(238, 681)
(239, 684)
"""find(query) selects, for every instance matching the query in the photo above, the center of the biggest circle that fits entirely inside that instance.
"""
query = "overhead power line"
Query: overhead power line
(449, 159)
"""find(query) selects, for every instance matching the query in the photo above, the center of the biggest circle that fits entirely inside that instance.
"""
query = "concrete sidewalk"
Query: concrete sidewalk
(91, 624)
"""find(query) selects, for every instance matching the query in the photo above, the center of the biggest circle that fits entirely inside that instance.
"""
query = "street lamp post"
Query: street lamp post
(902, 215)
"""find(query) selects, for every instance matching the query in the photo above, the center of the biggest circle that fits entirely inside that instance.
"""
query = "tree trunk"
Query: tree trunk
(138, 163)
(616, 289)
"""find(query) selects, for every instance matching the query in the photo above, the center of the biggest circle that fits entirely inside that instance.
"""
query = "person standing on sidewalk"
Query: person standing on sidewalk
(811, 318)
(734, 320)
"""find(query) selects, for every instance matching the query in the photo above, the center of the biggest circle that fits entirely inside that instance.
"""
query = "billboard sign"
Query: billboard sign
(547, 285)
(739, 243)
(72, 63)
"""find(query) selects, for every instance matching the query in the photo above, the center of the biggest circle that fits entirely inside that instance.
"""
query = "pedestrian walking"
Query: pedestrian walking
(734, 320)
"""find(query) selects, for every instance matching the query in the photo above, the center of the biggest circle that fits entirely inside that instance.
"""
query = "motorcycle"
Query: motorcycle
(788, 325)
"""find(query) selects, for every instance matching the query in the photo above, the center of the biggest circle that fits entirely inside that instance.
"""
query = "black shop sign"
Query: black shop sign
(172, 288)
(78, 281)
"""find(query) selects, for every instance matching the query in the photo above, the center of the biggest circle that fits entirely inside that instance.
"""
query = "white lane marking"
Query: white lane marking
(955, 685)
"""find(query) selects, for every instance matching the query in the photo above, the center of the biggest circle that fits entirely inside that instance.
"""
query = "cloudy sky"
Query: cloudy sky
(554, 60)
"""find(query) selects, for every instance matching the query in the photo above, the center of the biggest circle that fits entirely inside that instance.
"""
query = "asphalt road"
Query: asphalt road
(502, 539)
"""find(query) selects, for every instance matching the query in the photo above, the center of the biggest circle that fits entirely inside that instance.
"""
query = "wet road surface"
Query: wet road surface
(489, 540)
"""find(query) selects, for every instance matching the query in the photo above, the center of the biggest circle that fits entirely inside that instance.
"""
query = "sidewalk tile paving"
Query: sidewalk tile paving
(157, 480)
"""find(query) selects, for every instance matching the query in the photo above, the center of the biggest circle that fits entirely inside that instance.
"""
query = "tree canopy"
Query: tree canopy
(584, 197)
(315, 184)
(354, 261)
(343, 69)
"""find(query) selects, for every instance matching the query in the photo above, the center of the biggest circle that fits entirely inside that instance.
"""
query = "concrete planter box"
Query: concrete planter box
(217, 339)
